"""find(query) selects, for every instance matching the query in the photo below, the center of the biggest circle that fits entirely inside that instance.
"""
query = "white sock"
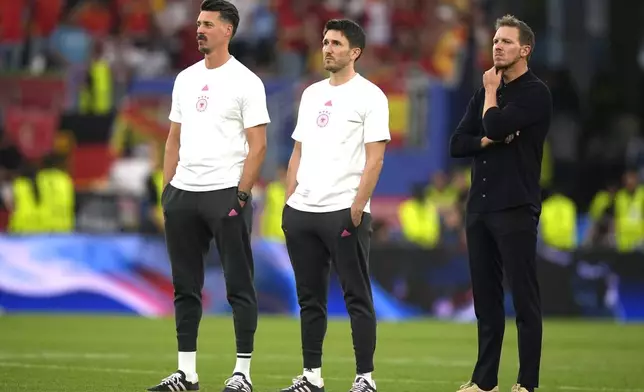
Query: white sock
(188, 365)
(367, 376)
(314, 376)
(243, 365)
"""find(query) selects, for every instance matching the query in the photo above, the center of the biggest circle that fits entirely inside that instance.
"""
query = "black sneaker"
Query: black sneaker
(362, 385)
(175, 382)
(238, 382)
(301, 384)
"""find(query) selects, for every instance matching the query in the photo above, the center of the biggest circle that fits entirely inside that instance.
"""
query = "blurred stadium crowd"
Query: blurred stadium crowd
(593, 167)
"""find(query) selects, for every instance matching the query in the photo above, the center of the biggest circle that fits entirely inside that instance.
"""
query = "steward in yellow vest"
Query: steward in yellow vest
(24, 206)
(57, 200)
(558, 223)
(420, 220)
(274, 201)
(628, 206)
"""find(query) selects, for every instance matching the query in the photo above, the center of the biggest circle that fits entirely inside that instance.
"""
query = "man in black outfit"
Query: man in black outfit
(504, 130)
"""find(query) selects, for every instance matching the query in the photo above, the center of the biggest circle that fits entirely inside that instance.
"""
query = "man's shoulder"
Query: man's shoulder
(539, 84)
(534, 83)
(243, 73)
(537, 93)
(478, 96)
(369, 88)
(316, 87)
(192, 69)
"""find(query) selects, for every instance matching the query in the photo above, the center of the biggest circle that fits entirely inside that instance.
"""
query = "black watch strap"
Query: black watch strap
(243, 196)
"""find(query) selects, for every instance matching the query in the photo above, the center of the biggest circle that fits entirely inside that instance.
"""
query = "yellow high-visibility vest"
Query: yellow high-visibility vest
(25, 216)
(57, 201)
(600, 203)
(420, 222)
(274, 200)
(97, 98)
(629, 219)
(558, 227)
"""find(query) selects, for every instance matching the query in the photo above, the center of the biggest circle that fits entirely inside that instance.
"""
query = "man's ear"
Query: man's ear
(526, 50)
(356, 53)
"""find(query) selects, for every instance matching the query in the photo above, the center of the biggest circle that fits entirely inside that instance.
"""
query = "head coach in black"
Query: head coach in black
(503, 130)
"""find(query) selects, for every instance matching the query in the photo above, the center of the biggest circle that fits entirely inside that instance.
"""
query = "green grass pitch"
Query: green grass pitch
(47, 353)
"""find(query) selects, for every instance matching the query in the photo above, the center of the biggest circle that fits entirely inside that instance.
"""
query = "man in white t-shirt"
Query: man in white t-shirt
(214, 152)
(340, 138)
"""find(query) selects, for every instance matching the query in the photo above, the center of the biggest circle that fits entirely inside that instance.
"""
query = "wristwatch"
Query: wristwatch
(243, 196)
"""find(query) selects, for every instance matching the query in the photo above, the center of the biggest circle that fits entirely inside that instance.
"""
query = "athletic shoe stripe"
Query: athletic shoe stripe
(183, 387)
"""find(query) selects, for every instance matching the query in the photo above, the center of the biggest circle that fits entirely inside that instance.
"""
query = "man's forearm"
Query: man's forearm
(291, 175)
(368, 182)
(170, 160)
(490, 100)
(252, 169)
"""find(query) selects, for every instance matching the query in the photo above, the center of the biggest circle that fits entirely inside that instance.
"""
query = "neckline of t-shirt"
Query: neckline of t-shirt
(356, 76)
(231, 58)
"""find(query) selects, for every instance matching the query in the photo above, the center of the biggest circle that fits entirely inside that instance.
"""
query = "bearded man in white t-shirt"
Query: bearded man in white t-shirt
(340, 137)
(213, 155)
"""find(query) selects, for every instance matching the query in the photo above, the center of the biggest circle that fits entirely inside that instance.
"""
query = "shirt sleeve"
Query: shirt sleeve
(533, 105)
(254, 109)
(175, 110)
(298, 133)
(376, 122)
(465, 141)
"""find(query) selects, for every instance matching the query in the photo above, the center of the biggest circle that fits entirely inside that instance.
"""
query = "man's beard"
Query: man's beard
(201, 42)
(335, 67)
(509, 65)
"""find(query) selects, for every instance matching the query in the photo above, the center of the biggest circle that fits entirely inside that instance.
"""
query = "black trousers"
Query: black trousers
(314, 242)
(192, 220)
(498, 241)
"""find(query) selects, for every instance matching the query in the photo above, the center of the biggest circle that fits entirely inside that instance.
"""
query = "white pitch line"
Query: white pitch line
(85, 368)
(143, 371)
(400, 362)
(272, 376)
(429, 361)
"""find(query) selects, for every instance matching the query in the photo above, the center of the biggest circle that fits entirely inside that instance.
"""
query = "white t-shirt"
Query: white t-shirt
(214, 107)
(334, 123)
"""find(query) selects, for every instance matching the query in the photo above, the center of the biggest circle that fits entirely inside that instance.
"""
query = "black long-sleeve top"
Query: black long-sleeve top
(505, 175)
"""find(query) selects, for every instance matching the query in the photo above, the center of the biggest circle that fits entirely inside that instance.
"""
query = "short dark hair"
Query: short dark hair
(227, 11)
(351, 30)
(526, 35)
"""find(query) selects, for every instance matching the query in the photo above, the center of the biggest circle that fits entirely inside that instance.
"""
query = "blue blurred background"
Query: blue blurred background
(84, 98)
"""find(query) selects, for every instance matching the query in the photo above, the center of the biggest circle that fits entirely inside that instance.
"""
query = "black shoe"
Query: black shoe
(301, 384)
(362, 385)
(175, 382)
(238, 382)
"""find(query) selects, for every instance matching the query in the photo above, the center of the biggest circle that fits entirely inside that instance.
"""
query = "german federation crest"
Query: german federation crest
(202, 103)
(323, 118)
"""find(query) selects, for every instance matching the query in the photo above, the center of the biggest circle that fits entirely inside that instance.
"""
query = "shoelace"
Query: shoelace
(467, 385)
(361, 386)
(174, 379)
(298, 382)
(237, 383)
